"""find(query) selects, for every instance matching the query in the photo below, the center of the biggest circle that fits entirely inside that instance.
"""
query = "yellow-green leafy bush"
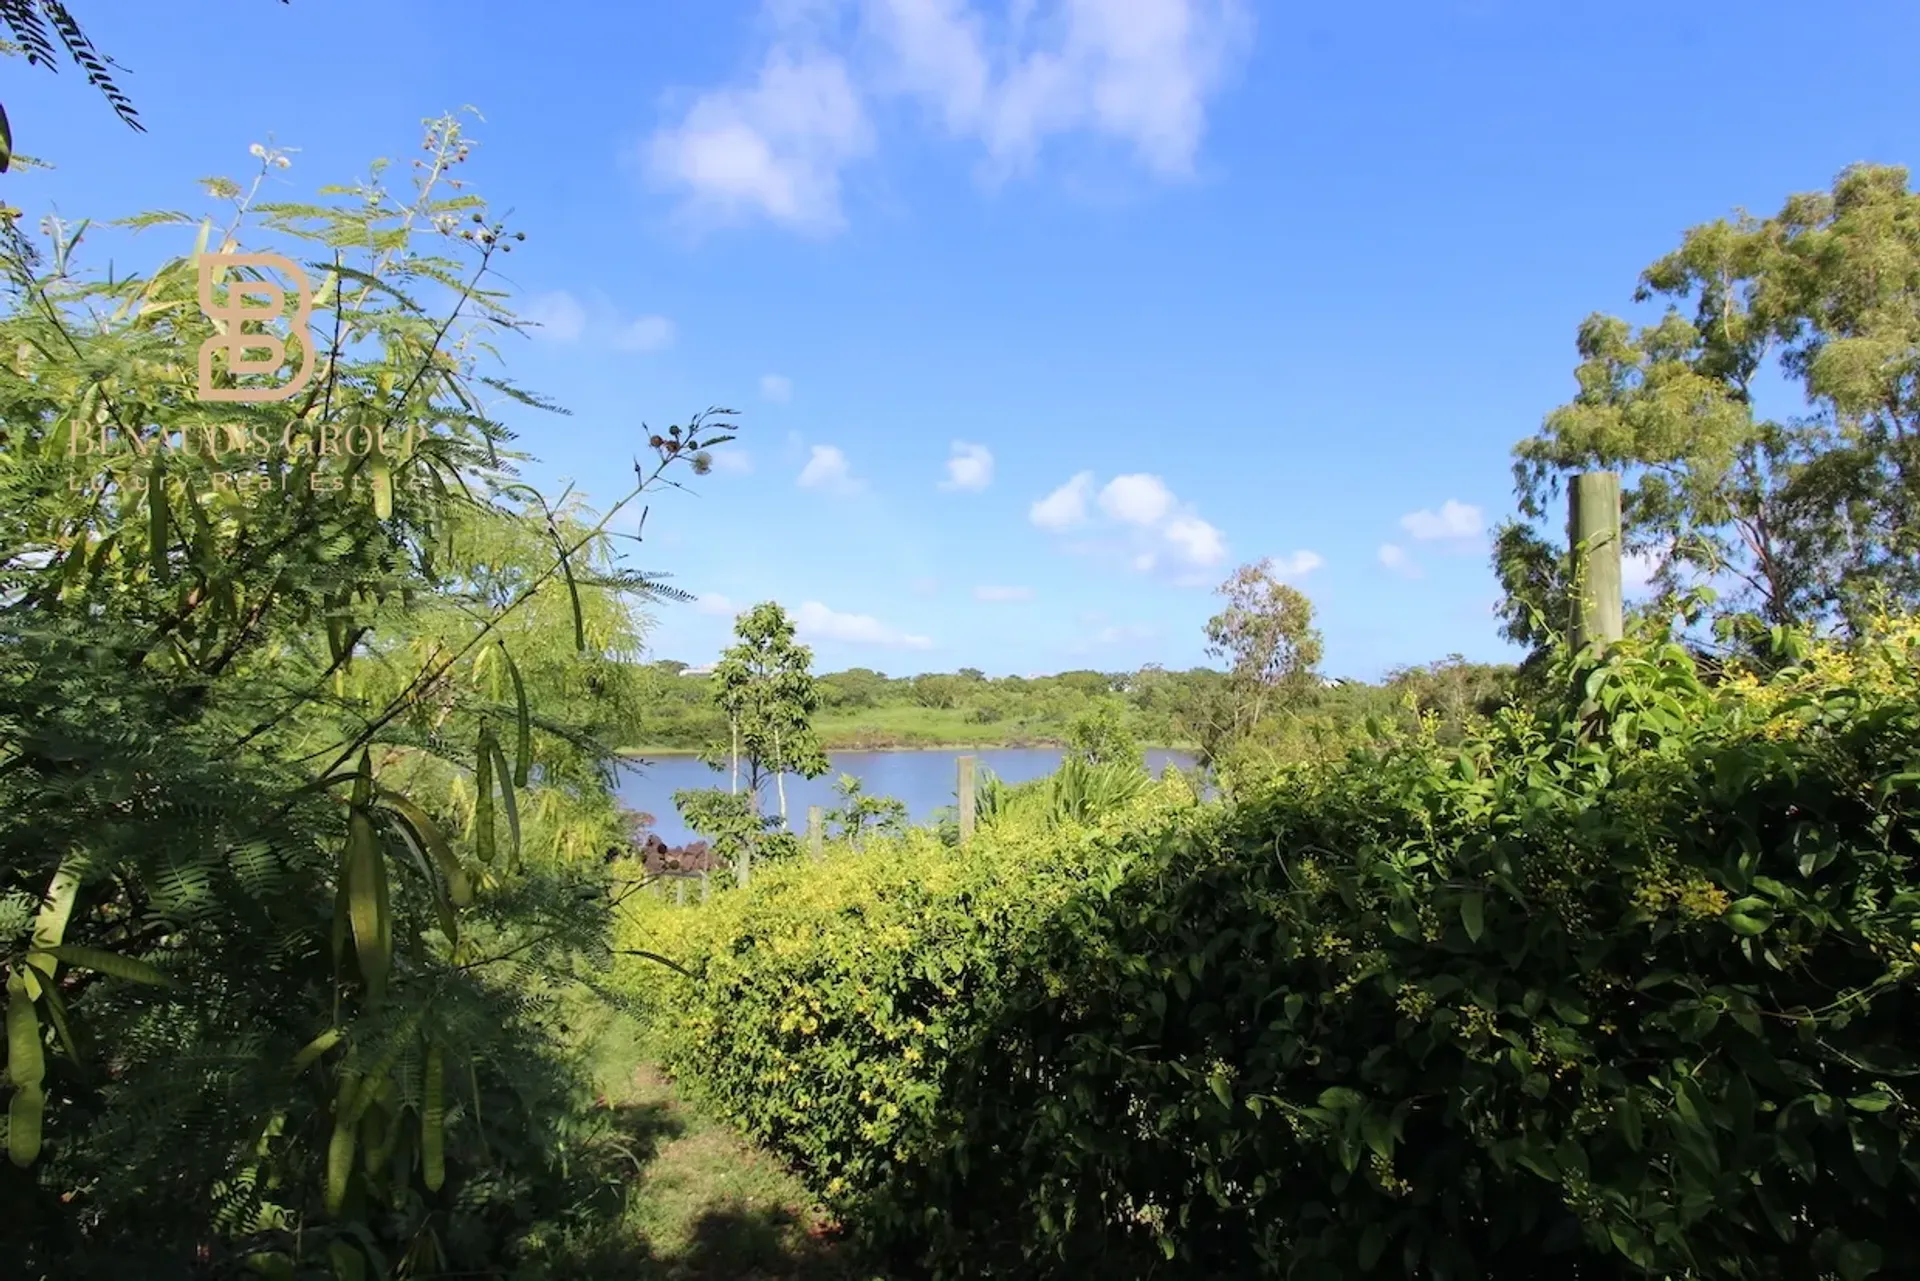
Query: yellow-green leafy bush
(1629, 997)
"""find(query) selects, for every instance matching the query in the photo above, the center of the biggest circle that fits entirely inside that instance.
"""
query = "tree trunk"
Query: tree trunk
(779, 778)
(733, 725)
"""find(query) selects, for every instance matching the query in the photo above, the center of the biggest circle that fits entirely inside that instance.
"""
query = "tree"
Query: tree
(1806, 519)
(1267, 636)
(937, 690)
(859, 814)
(1100, 736)
(763, 685)
(305, 761)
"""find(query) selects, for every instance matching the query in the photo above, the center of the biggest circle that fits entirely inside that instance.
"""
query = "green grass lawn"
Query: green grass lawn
(876, 728)
(705, 1204)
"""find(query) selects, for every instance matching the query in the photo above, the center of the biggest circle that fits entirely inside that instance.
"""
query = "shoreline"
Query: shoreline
(641, 753)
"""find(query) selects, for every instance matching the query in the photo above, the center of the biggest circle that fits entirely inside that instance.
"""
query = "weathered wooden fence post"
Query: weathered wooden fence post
(706, 886)
(1593, 536)
(967, 813)
(680, 891)
(817, 832)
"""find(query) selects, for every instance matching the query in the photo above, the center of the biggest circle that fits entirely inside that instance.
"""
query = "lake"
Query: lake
(924, 780)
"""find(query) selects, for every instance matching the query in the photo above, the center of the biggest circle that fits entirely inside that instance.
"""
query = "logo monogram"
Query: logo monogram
(254, 301)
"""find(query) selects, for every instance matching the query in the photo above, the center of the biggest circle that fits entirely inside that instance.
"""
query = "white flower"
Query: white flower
(257, 149)
(282, 161)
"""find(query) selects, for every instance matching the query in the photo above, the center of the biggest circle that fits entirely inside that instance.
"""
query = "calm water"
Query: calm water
(924, 780)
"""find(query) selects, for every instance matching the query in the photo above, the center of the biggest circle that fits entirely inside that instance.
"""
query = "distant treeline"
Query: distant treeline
(861, 707)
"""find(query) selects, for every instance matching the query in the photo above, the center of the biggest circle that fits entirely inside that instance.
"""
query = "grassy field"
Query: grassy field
(910, 727)
(907, 728)
(705, 1204)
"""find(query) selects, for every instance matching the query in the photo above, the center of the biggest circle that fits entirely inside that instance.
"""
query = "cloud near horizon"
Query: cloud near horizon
(1454, 522)
(1144, 522)
(814, 620)
(560, 316)
(1011, 81)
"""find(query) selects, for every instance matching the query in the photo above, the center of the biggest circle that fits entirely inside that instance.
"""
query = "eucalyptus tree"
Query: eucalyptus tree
(1801, 509)
(1266, 635)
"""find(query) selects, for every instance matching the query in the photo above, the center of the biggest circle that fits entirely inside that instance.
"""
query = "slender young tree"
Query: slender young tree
(766, 688)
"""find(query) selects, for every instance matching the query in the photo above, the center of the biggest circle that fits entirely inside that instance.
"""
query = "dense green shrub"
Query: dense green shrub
(1628, 998)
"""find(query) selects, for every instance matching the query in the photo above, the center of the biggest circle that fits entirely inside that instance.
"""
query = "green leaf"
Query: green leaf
(483, 796)
(1473, 914)
(311, 1052)
(121, 967)
(367, 903)
(1858, 1259)
(523, 726)
(380, 476)
(158, 534)
(573, 593)
(1875, 1102)
(6, 142)
(509, 801)
(429, 835)
(1373, 1243)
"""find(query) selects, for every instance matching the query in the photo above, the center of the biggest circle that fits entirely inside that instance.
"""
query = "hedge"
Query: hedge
(1549, 1003)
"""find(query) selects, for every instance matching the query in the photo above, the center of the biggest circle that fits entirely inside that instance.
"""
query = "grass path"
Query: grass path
(707, 1204)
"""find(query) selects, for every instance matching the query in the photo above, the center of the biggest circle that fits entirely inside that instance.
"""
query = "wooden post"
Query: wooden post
(966, 799)
(706, 886)
(817, 832)
(680, 891)
(743, 865)
(1593, 535)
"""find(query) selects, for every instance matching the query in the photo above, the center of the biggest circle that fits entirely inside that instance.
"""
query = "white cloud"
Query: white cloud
(648, 333)
(827, 469)
(813, 619)
(1137, 499)
(1153, 529)
(1454, 522)
(729, 459)
(1002, 593)
(1297, 565)
(776, 148)
(558, 316)
(715, 604)
(970, 467)
(1139, 73)
(1199, 544)
(1113, 634)
(1395, 558)
(776, 388)
(1066, 506)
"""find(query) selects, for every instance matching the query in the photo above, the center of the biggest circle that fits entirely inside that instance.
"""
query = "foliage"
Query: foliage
(1100, 736)
(303, 788)
(1811, 519)
(763, 685)
(1267, 637)
(859, 814)
(1542, 1001)
(735, 827)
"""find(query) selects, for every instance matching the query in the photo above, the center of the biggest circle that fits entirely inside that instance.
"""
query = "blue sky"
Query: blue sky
(1041, 315)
